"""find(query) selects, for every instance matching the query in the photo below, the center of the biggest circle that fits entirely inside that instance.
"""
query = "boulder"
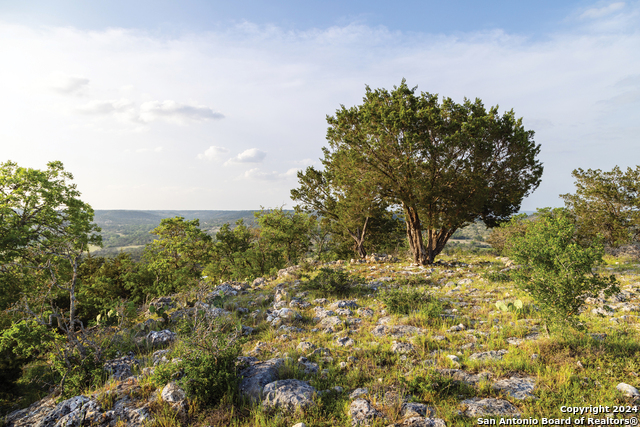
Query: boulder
(288, 395)
(172, 393)
(120, 368)
(362, 413)
(160, 338)
(257, 375)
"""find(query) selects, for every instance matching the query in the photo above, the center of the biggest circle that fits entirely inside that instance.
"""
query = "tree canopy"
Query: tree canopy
(445, 164)
(607, 203)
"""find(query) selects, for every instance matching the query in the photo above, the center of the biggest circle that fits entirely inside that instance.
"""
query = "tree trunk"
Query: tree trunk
(358, 236)
(437, 241)
(414, 234)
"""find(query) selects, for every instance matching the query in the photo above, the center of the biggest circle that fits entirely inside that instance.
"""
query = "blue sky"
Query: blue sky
(216, 105)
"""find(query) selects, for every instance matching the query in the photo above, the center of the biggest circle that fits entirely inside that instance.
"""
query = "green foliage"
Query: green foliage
(499, 236)
(244, 252)
(446, 164)
(556, 267)
(113, 284)
(407, 300)
(179, 254)
(285, 233)
(351, 209)
(330, 282)
(27, 339)
(434, 387)
(606, 204)
(207, 371)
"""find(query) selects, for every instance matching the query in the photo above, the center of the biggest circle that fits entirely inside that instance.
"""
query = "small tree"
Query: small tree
(349, 209)
(446, 164)
(556, 268)
(607, 203)
(179, 254)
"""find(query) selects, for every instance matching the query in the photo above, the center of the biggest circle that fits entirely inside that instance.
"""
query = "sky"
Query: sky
(217, 105)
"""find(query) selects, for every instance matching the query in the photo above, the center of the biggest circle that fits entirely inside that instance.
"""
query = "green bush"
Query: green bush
(557, 269)
(207, 370)
(407, 300)
(330, 282)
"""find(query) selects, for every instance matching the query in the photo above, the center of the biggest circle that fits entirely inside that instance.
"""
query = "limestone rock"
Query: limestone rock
(412, 409)
(161, 338)
(423, 422)
(257, 375)
(477, 407)
(289, 395)
(120, 368)
(402, 347)
(398, 331)
(517, 388)
(362, 413)
(628, 390)
(172, 393)
(344, 304)
(488, 355)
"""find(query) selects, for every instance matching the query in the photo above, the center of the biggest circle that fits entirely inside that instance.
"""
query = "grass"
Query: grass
(569, 367)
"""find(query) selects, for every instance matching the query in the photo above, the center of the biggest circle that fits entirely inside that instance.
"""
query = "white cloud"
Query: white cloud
(600, 12)
(70, 85)
(576, 86)
(252, 155)
(105, 107)
(176, 112)
(213, 153)
(258, 175)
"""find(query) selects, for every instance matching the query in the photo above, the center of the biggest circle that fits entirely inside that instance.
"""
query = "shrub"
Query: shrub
(331, 282)
(207, 369)
(500, 235)
(557, 269)
(407, 300)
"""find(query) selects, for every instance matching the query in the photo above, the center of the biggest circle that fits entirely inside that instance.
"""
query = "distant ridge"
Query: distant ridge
(153, 217)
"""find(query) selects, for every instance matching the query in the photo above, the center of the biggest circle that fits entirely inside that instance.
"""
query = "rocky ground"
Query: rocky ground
(309, 359)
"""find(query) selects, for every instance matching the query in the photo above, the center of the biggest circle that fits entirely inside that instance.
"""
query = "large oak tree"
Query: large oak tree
(446, 164)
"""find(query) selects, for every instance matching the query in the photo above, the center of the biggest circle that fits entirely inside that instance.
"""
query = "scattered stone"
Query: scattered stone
(359, 392)
(331, 323)
(300, 425)
(345, 342)
(411, 409)
(288, 395)
(453, 358)
(120, 368)
(402, 347)
(306, 346)
(321, 312)
(364, 312)
(423, 422)
(465, 377)
(308, 367)
(477, 407)
(344, 312)
(160, 338)
(517, 388)
(344, 304)
(260, 281)
(457, 328)
(398, 331)
(488, 355)
(362, 413)
(628, 390)
(257, 375)
(172, 393)
(320, 301)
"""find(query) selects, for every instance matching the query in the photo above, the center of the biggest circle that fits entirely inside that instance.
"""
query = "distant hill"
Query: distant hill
(128, 230)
